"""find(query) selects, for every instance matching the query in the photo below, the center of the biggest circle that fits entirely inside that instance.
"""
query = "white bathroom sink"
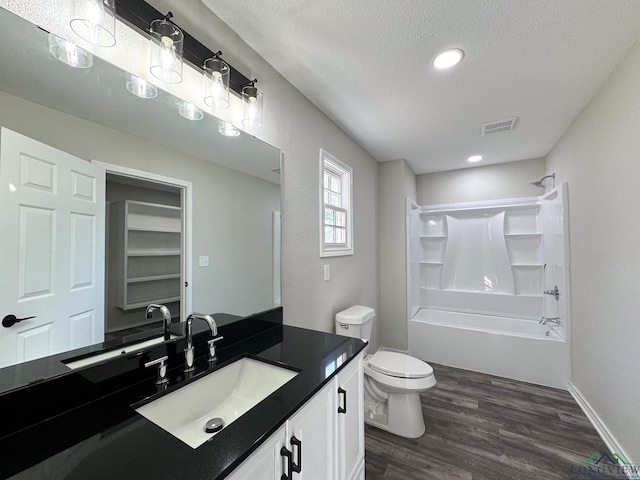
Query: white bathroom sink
(101, 357)
(227, 393)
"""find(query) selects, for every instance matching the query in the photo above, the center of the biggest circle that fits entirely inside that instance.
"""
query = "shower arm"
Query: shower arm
(539, 182)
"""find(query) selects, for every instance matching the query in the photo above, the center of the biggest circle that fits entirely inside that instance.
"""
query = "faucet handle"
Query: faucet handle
(212, 347)
(161, 378)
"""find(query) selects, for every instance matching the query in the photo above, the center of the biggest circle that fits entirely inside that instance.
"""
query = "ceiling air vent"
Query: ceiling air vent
(501, 126)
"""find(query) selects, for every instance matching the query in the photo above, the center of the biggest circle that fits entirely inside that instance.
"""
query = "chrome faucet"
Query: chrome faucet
(188, 351)
(554, 320)
(166, 318)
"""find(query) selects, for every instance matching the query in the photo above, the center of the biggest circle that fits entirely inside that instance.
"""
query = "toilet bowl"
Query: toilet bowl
(393, 380)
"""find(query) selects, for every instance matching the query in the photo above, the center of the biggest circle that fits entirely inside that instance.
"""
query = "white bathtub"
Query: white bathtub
(508, 347)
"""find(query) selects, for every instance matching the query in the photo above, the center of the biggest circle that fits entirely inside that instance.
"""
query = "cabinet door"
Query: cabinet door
(311, 437)
(265, 463)
(350, 410)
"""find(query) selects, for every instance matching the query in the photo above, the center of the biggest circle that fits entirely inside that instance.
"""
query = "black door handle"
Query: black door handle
(284, 452)
(342, 392)
(296, 467)
(10, 320)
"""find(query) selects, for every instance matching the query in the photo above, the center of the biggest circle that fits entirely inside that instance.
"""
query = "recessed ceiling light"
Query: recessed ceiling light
(448, 58)
(474, 158)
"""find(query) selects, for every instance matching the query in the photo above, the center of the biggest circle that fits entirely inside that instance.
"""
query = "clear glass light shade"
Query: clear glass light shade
(216, 86)
(140, 87)
(69, 53)
(227, 130)
(94, 21)
(190, 111)
(252, 106)
(167, 43)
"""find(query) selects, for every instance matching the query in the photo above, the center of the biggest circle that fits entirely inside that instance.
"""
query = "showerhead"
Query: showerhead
(539, 182)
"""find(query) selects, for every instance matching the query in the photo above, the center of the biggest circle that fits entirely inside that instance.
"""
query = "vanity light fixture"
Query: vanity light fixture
(190, 111)
(227, 130)
(448, 59)
(141, 16)
(251, 105)
(166, 50)
(94, 21)
(216, 82)
(140, 87)
(69, 53)
(474, 158)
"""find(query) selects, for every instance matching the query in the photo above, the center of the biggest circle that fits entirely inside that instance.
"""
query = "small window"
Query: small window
(335, 207)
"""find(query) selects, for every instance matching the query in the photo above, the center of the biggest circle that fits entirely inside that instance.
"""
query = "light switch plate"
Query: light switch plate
(327, 273)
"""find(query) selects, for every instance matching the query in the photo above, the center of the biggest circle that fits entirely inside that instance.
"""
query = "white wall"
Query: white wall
(599, 157)
(236, 258)
(504, 180)
(397, 182)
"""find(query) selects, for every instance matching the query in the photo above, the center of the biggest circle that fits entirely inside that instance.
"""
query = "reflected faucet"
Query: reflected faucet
(166, 318)
(188, 351)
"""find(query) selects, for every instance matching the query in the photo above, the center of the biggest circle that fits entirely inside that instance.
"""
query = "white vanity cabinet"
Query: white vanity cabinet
(322, 443)
(350, 411)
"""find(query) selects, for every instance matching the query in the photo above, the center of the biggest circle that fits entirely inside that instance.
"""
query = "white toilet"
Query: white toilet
(392, 380)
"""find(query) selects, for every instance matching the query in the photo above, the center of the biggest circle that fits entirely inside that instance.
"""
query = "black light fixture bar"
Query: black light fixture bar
(139, 14)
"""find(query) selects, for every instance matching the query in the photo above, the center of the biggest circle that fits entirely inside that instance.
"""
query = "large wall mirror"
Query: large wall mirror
(182, 203)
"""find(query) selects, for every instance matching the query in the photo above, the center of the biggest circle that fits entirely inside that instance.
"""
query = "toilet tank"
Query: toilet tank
(355, 321)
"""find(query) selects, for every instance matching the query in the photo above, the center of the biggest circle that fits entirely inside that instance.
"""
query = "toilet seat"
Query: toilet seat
(399, 365)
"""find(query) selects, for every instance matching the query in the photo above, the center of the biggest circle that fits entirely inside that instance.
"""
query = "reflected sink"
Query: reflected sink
(227, 393)
(101, 357)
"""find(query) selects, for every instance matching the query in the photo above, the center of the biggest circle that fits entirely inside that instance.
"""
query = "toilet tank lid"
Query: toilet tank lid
(355, 315)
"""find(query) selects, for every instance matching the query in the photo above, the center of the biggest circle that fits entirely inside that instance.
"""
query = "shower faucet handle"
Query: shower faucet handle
(554, 320)
(555, 292)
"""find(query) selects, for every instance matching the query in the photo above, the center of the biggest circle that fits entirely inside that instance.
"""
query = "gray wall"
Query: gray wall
(504, 180)
(397, 183)
(599, 157)
(299, 129)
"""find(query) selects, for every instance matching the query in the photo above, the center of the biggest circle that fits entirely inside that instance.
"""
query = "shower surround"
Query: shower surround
(482, 283)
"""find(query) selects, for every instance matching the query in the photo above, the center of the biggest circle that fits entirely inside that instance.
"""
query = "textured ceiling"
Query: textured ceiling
(367, 65)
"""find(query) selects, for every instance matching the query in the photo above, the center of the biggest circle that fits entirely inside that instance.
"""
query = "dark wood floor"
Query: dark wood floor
(481, 427)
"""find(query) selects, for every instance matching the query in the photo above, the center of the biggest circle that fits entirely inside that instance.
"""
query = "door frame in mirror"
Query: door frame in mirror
(187, 221)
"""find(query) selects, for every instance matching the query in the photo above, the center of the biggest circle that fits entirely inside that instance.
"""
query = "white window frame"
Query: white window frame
(345, 172)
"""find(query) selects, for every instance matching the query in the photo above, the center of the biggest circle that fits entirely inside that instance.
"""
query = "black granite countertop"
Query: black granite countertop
(83, 425)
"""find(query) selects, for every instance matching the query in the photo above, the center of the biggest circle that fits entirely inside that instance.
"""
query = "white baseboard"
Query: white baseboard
(607, 437)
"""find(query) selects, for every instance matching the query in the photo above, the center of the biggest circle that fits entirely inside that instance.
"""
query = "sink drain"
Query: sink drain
(214, 425)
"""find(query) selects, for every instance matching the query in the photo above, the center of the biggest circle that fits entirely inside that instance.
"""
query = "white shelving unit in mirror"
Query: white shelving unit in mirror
(147, 251)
